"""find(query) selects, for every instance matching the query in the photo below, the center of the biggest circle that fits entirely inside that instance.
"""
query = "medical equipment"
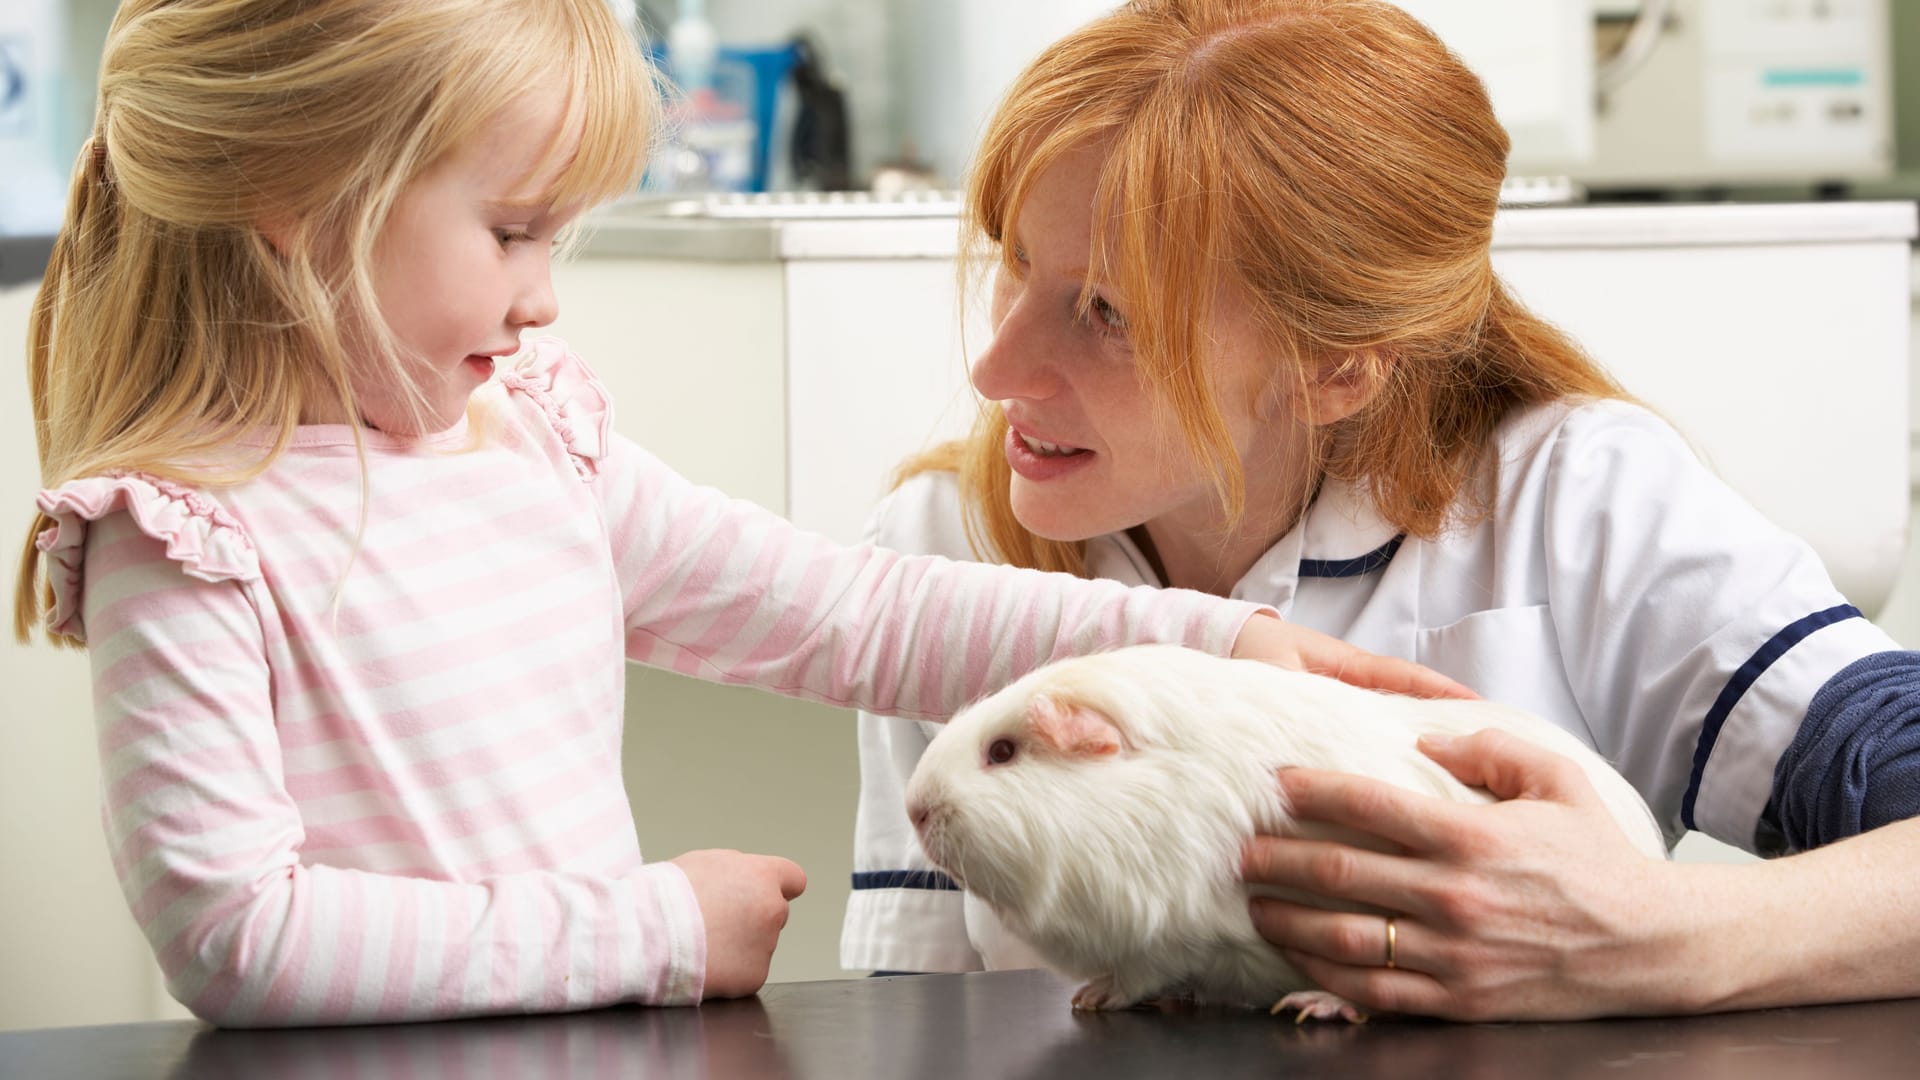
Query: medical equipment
(1745, 91)
(1666, 93)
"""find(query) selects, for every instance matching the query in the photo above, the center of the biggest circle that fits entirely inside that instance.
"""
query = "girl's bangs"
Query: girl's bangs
(611, 116)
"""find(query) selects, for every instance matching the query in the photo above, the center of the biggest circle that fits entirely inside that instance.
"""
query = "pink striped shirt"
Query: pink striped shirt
(405, 801)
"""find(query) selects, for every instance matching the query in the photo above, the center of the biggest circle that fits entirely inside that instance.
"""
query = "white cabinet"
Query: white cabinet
(791, 362)
(1775, 337)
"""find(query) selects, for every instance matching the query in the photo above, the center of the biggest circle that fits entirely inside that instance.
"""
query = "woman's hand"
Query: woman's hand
(1280, 642)
(743, 899)
(1531, 908)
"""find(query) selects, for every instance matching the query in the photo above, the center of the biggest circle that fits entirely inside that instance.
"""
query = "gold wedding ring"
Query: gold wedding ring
(1393, 939)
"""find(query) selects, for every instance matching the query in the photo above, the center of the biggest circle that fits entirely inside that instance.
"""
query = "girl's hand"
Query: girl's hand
(1279, 642)
(743, 899)
(1536, 907)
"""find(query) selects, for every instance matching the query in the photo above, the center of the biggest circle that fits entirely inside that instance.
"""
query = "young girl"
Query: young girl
(1248, 339)
(356, 606)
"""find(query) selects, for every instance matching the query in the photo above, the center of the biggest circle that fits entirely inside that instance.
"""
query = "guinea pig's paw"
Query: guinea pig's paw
(1103, 993)
(1319, 1005)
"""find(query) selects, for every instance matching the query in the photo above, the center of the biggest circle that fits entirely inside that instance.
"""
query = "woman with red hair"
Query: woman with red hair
(1248, 339)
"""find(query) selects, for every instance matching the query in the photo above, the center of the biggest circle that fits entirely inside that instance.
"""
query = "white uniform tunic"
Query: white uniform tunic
(1618, 589)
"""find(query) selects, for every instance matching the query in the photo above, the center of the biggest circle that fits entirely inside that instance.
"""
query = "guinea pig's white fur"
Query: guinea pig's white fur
(1110, 839)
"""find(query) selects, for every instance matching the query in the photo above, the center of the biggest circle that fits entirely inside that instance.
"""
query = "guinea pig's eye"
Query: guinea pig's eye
(1000, 751)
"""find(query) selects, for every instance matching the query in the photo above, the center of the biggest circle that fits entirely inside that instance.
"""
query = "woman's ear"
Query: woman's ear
(1340, 385)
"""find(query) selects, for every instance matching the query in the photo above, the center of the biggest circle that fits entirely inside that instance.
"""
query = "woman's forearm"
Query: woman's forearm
(1840, 923)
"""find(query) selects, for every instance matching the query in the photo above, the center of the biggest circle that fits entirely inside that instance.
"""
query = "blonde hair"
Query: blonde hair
(1333, 160)
(168, 324)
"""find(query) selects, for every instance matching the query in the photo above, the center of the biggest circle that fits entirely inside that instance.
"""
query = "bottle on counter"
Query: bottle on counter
(711, 144)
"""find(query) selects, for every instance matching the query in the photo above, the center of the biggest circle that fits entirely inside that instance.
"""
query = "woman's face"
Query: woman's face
(1091, 453)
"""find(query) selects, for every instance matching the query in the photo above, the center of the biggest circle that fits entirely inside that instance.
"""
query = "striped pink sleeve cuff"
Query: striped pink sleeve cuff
(680, 972)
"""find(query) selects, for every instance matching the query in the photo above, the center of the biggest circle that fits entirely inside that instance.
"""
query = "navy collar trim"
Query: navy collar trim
(1364, 564)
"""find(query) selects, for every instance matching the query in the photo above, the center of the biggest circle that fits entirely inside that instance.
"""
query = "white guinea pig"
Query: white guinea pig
(1099, 807)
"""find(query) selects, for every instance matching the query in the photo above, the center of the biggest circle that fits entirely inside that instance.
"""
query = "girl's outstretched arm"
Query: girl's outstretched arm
(722, 589)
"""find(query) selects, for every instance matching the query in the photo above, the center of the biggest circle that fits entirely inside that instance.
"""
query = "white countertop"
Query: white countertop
(759, 228)
(728, 228)
(1705, 225)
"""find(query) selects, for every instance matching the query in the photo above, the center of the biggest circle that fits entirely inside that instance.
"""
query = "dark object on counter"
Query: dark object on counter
(822, 150)
(23, 258)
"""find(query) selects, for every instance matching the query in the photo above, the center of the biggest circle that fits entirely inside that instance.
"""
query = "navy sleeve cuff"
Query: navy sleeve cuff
(1855, 763)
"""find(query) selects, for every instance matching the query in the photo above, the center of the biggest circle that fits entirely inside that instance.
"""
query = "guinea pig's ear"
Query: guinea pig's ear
(1073, 730)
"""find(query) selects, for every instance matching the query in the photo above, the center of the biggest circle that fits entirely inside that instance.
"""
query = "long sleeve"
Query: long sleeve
(208, 842)
(722, 589)
(1852, 765)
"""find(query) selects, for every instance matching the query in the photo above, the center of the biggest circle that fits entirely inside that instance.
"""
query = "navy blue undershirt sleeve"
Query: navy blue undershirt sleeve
(1855, 763)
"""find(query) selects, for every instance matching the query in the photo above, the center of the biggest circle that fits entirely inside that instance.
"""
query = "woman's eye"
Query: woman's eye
(1108, 315)
(1000, 751)
(508, 237)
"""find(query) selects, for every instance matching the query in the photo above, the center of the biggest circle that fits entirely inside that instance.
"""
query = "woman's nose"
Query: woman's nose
(1013, 364)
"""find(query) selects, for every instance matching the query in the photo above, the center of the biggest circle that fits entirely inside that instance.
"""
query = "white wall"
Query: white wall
(69, 953)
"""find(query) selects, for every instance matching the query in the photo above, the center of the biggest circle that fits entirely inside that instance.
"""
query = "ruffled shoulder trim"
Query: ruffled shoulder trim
(199, 534)
(571, 396)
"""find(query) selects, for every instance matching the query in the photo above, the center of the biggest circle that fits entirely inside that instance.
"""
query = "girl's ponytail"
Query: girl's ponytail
(86, 237)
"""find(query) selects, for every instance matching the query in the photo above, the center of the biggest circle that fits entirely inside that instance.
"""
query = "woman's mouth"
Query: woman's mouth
(1040, 460)
(1047, 449)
